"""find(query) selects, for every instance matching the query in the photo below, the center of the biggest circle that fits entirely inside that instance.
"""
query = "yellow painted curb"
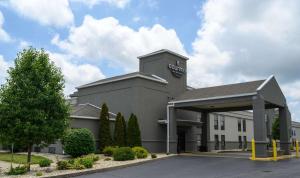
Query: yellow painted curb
(272, 159)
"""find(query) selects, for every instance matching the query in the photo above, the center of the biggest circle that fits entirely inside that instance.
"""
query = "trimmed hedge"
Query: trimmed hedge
(140, 152)
(109, 150)
(78, 142)
(123, 154)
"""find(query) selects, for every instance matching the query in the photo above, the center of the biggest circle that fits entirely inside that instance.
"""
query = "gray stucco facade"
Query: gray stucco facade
(174, 117)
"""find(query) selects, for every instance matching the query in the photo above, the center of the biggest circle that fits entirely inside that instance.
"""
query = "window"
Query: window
(239, 125)
(223, 142)
(222, 121)
(245, 142)
(216, 142)
(240, 142)
(216, 122)
(244, 125)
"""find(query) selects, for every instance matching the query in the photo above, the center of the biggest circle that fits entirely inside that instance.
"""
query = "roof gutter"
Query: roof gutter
(213, 98)
(124, 78)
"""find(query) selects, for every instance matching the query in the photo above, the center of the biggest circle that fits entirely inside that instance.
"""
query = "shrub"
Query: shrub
(77, 165)
(93, 157)
(120, 131)
(78, 142)
(104, 129)
(107, 159)
(109, 150)
(63, 165)
(19, 170)
(153, 156)
(45, 163)
(133, 132)
(86, 161)
(140, 152)
(123, 154)
(39, 173)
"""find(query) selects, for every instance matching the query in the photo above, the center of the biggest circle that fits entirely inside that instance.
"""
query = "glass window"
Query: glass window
(240, 142)
(216, 122)
(244, 125)
(245, 142)
(216, 142)
(239, 125)
(222, 120)
(223, 142)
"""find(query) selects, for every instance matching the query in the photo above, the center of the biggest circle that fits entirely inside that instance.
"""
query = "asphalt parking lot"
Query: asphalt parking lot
(198, 166)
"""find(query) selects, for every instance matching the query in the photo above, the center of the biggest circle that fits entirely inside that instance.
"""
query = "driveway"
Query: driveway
(198, 166)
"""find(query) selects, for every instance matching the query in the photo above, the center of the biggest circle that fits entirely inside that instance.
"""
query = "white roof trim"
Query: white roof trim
(162, 51)
(94, 107)
(264, 83)
(89, 117)
(213, 98)
(123, 78)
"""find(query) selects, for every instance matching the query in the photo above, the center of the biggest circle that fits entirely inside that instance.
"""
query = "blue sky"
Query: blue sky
(227, 41)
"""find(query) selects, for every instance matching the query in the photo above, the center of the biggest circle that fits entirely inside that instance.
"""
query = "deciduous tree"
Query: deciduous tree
(33, 109)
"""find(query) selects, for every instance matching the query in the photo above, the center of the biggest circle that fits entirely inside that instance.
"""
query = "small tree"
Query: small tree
(33, 107)
(104, 129)
(133, 132)
(276, 129)
(120, 131)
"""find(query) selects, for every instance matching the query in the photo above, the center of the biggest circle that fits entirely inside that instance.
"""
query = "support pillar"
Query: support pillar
(285, 129)
(259, 126)
(205, 136)
(172, 129)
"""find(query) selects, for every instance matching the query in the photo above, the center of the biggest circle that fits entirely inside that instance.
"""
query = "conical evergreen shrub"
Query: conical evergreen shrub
(104, 129)
(133, 132)
(119, 132)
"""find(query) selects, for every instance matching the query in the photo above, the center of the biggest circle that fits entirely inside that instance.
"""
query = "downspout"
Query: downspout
(168, 126)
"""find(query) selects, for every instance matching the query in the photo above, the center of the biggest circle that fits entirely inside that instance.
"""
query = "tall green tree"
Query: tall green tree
(120, 131)
(276, 129)
(104, 129)
(33, 109)
(133, 132)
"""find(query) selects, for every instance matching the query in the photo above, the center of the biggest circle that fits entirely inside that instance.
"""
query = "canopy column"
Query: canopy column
(259, 126)
(205, 136)
(172, 130)
(285, 129)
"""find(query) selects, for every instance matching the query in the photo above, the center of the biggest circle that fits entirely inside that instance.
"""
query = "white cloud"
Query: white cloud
(24, 44)
(75, 74)
(247, 40)
(117, 3)
(54, 12)
(4, 65)
(3, 34)
(108, 39)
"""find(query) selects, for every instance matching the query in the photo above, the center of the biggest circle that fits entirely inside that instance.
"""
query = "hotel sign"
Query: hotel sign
(176, 70)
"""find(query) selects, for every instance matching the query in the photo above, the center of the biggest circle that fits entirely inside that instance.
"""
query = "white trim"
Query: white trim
(162, 79)
(84, 117)
(94, 107)
(123, 78)
(213, 98)
(168, 126)
(89, 117)
(264, 83)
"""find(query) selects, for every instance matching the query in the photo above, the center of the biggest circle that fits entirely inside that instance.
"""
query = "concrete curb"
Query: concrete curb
(74, 174)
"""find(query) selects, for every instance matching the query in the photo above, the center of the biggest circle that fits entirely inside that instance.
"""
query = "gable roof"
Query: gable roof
(88, 111)
(246, 88)
(125, 77)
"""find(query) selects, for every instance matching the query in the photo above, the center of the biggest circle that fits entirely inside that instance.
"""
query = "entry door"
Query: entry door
(181, 141)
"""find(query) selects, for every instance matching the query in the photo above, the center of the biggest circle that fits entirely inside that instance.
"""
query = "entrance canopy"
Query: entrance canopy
(233, 97)
(256, 95)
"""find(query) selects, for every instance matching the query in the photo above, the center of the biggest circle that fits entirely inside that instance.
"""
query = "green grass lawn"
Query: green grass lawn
(20, 158)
